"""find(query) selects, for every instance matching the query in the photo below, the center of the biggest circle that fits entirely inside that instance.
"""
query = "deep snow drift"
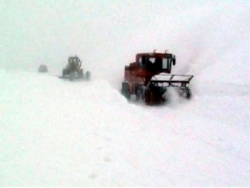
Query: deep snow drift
(55, 132)
(60, 133)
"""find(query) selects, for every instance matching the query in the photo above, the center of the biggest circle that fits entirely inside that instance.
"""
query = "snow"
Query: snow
(60, 133)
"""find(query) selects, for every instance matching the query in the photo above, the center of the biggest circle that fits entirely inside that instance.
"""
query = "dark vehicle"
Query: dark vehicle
(149, 77)
(74, 70)
(43, 68)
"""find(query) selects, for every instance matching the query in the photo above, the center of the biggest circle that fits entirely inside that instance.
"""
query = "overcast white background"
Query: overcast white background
(58, 133)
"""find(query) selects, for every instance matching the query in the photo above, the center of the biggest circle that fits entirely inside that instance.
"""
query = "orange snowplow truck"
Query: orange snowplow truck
(149, 77)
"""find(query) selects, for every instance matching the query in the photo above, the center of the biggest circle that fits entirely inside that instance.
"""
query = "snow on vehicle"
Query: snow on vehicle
(149, 77)
(74, 70)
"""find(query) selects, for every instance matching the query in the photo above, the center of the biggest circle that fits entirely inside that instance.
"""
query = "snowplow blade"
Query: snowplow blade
(172, 80)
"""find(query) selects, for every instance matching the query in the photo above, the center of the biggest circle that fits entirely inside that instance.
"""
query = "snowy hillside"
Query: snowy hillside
(56, 132)
(60, 133)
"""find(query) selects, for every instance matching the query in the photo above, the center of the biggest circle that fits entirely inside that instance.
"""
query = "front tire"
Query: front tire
(71, 76)
(139, 94)
(80, 73)
(87, 75)
(149, 97)
(185, 92)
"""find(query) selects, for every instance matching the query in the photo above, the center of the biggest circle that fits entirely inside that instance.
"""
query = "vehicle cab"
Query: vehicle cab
(156, 62)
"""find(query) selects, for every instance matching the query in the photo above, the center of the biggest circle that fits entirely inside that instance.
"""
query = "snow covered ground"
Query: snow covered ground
(60, 133)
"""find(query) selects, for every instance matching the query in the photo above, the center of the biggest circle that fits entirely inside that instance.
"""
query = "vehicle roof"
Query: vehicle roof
(74, 57)
(155, 54)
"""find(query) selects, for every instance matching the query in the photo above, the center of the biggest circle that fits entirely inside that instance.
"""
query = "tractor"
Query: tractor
(149, 77)
(74, 70)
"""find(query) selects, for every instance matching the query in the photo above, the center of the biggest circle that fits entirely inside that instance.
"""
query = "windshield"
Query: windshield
(160, 62)
(73, 61)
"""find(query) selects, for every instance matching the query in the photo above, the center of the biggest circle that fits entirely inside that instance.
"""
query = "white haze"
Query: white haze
(107, 35)
(58, 133)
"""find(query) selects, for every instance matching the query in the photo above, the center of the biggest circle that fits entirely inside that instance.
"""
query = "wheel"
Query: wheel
(80, 73)
(125, 90)
(149, 97)
(188, 94)
(185, 92)
(71, 76)
(87, 75)
(139, 94)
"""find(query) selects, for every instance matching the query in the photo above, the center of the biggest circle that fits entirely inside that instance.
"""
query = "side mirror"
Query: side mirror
(173, 60)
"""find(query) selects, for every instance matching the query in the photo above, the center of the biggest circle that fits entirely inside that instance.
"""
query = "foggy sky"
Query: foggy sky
(107, 34)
